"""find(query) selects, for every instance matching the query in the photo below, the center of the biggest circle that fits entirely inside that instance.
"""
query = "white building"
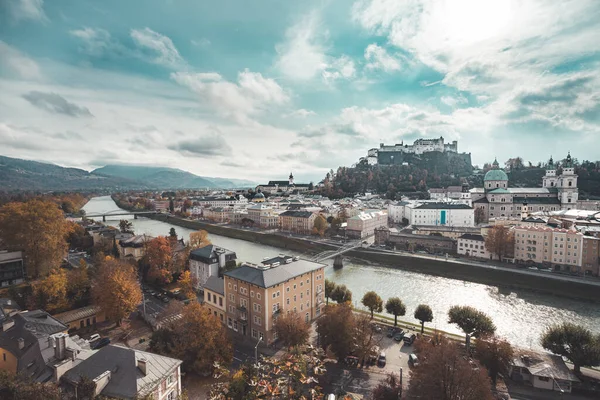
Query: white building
(215, 201)
(445, 214)
(397, 211)
(206, 261)
(364, 224)
(472, 246)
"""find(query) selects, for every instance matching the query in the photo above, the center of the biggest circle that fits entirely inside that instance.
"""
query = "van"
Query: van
(409, 339)
(94, 337)
(381, 361)
(413, 361)
(331, 396)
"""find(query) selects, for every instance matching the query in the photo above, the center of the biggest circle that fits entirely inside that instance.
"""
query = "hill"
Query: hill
(17, 174)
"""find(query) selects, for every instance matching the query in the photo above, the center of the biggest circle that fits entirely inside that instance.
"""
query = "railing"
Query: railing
(277, 312)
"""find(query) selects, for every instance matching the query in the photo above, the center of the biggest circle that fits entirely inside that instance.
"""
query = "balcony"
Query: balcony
(242, 308)
(277, 312)
(243, 317)
(319, 291)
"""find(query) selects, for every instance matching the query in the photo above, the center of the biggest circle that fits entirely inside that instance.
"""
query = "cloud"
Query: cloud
(98, 42)
(57, 104)
(204, 42)
(233, 164)
(161, 47)
(252, 93)
(209, 145)
(453, 101)
(340, 68)
(378, 58)
(16, 64)
(21, 10)
(20, 138)
(300, 113)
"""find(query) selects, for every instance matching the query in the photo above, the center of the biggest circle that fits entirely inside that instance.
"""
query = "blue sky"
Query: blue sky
(254, 89)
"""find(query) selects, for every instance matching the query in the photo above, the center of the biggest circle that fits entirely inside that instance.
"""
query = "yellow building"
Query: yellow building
(214, 297)
(82, 317)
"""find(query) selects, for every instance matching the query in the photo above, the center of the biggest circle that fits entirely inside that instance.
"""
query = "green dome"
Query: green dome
(495, 175)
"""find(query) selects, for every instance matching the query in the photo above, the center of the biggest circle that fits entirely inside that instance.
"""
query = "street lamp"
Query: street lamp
(260, 338)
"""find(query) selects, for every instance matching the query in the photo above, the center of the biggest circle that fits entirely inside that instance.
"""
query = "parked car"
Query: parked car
(94, 337)
(165, 299)
(398, 337)
(393, 331)
(381, 360)
(101, 343)
(376, 328)
(409, 339)
(413, 361)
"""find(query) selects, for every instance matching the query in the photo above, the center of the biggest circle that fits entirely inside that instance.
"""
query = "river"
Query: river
(519, 316)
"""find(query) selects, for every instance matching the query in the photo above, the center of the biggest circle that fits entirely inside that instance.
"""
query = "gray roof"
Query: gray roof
(126, 380)
(215, 284)
(77, 314)
(545, 365)
(207, 252)
(296, 214)
(41, 322)
(537, 200)
(443, 206)
(470, 236)
(536, 190)
(272, 276)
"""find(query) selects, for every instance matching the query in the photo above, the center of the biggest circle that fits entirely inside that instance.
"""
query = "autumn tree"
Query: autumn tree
(365, 339)
(396, 307)
(388, 389)
(20, 387)
(78, 285)
(199, 339)
(341, 294)
(291, 329)
(320, 226)
(50, 293)
(116, 289)
(472, 322)
(38, 228)
(574, 342)
(444, 373)
(424, 314)
(158, 258)
(77, 238)
(125, 226)
(373, 302)
(188, 283)
(500, 241)
(336, 329)
(495, 354)
(329, 288)
(199, 239)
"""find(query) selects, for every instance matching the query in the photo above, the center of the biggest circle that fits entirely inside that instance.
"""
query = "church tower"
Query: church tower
(291, 181)
(550, 179)
(567, 185)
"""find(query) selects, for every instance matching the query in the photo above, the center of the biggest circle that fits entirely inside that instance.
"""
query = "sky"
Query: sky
(256, 89)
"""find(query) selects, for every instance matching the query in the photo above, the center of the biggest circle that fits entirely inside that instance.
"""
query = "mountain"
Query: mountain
(169, 178)
(17, 174)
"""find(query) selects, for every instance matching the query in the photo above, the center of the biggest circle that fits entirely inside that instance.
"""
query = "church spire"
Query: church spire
(495, 163)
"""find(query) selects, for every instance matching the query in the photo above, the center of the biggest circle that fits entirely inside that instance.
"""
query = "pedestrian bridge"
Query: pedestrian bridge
(115, 213)
(336, 252)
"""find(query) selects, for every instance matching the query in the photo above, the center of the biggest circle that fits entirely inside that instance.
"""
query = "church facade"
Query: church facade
(497, 200)
(274, 187)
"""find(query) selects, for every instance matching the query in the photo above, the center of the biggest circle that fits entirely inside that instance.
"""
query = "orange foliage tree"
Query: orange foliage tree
(50, 293)
(159, 260)
(198, 240)
(187, 283)
(116, 289)
(38, 228)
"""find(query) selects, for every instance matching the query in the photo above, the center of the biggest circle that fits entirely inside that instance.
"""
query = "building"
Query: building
(472, 245)
(214, 297)
(407, 241)
(206, 262)
(397, 212)
(591, 255)
(134, 246)
(256, 294)
(543, 371)
(125, 373)
(80, 318)
(23, 338)
(216, 201)
(451, 192)
(301, 222)
(452, 232)
(444, 214)
(263, 216)
(274, 187)
(496, 199)
(364, 224)
(12, 271)
(217, 214)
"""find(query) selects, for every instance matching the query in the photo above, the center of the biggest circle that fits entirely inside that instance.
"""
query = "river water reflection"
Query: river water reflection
(520, 316)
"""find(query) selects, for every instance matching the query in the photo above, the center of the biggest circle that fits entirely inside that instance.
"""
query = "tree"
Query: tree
(495, 354)
(50, 293)
(365, 339)
(20, 387)
(329, 288)
(291, 329)
(341, 294)
(373, 302)
(320, 225)
(188, 283)
(424, 314)
(37, 227)
(500, 241)
(389, 389)
(574, 342)
(199, 239)
(158, 258)
(125, 226)
(171, 205)
(396, 307)
(445, 374)
(116, 289)
(78, 285)
(471, 321)
(199, 339)
(336, 329)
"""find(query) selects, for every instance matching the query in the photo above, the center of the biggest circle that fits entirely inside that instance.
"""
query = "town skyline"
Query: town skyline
(246, 90)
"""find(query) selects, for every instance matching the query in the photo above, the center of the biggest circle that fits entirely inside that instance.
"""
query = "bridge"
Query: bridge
(337, 252)
(116, 213)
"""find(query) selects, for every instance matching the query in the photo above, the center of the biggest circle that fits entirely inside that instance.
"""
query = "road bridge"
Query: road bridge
(116, 213)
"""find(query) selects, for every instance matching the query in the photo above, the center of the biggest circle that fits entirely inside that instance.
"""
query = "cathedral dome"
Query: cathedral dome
(495, 175)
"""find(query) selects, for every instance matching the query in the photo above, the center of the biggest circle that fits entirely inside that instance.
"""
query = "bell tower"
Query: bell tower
(568, 193)
(291, 179)
(550, 179)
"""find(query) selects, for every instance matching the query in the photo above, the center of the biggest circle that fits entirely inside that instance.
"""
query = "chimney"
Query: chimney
(141, 363)
(7, 324)
(21, 342)
(60, 345)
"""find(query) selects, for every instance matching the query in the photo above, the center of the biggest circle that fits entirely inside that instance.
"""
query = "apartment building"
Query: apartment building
(214, 297)
(560, 248)
(263, 216)
(472, 245)
(256, 294)
(297, 221)
(206, 261)
(217, 214)
(591, 255)
(448, 214)
(365, 223)
(12, 271)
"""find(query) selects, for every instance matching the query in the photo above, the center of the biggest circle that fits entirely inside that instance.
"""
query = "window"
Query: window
(301, 283)
(294, 286)
(252, 293)
(235, 288)
(301, 307)
(256, 307)
(287, 289)
(243, 302)
(301, 295)
(171, 395)
(543, 378)
(307, 318)
(221, 301)
(254, 333)
(231, 309)
(307, 281)
(229, 285)
(229, 322)
(258, 295)
(275, 307)
(294, 297)
(257, 320)
(287, 301)
(208, 297)
(231, 297)
(170, 379)
(274, 294)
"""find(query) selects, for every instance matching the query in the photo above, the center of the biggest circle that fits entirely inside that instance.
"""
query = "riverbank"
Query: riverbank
(502, 278)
